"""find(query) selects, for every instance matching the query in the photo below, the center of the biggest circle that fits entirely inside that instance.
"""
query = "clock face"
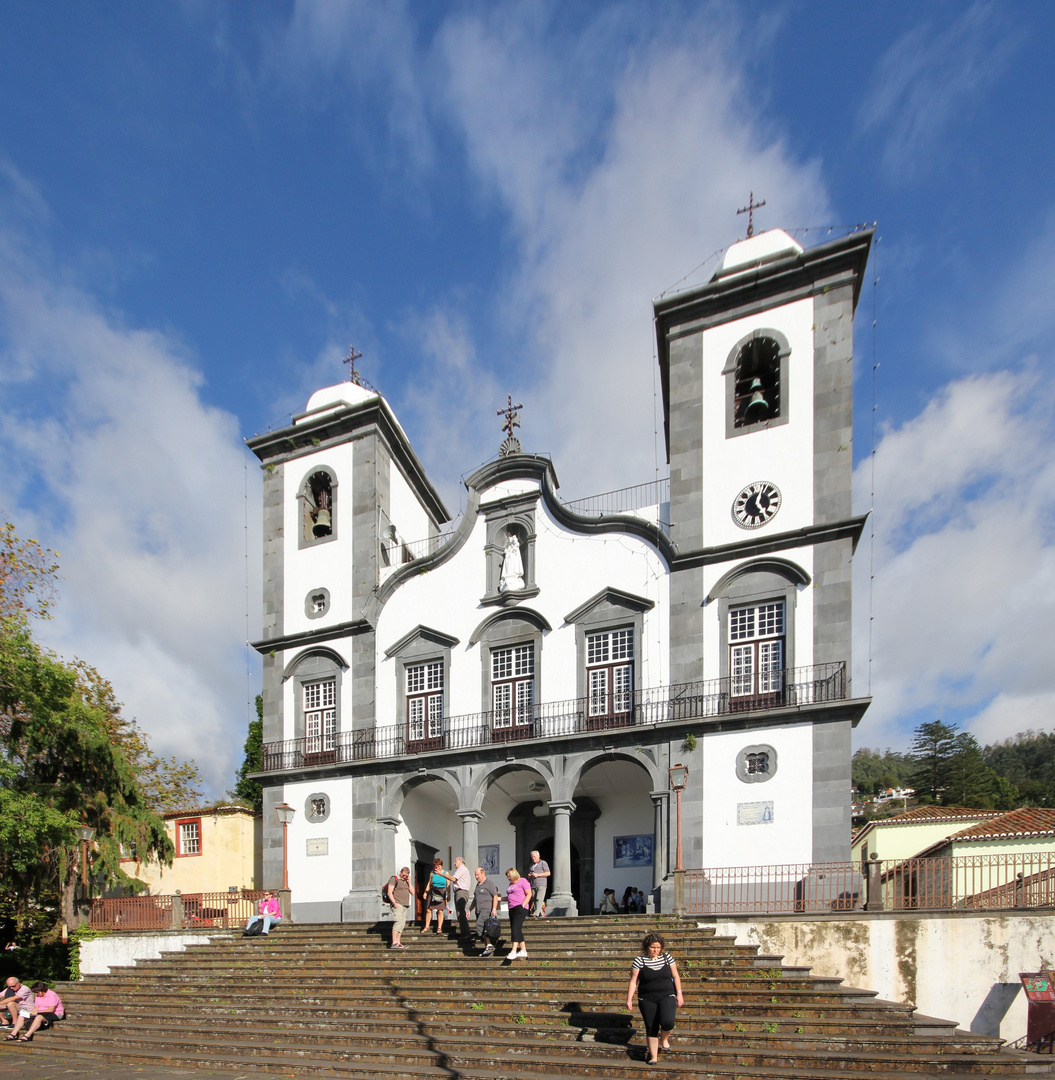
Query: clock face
(756, 505)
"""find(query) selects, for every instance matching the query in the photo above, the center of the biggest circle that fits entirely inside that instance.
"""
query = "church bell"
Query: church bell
(757, 408)
(322, 524)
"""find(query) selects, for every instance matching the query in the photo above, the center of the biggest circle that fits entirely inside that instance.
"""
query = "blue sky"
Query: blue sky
(202, 204)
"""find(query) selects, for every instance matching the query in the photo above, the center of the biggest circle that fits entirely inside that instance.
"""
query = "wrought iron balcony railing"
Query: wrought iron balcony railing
(787, 688)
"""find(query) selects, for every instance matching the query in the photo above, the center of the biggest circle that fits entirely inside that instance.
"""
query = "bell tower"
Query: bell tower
(757, 378)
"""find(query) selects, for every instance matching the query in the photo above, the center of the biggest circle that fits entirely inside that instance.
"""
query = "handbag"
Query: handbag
(492, 928)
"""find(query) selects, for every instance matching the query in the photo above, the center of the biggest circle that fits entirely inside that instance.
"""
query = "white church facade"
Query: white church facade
(525, 677)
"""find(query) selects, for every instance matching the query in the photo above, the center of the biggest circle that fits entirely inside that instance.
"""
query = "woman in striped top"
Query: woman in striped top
(655, 977)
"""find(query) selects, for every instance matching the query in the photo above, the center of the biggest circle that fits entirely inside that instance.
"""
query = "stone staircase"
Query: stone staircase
(334, 1000)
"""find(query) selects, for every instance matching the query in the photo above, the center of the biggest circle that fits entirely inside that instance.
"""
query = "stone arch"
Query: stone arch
(628, 788)
(577, 765)
(775, 567)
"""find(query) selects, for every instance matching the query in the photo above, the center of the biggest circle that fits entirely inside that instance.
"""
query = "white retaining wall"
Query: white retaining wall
(956, 965)
(100, 954)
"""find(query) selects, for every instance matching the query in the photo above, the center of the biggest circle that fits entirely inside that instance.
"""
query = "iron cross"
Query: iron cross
(350, 359)
(750, 209)
(510, 413)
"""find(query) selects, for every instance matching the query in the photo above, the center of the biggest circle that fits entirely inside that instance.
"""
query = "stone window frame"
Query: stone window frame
(177, 828)
(518, 626)
(309, 816)
(516, 513)
(756, 582)
(756, 778)
(304, 541)
(729, 374)
(314, 665)
(422, 645)
(609, 609)
(309, 603)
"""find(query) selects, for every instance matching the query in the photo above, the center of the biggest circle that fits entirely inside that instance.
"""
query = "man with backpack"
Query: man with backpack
(399, 896)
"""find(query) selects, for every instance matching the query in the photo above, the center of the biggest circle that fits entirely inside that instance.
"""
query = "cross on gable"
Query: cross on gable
(750, 209)
(511, 415)
(511, 444)
(350, 359)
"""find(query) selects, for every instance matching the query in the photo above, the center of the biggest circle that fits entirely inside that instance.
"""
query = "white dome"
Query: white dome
(346, 393)
(763, 248)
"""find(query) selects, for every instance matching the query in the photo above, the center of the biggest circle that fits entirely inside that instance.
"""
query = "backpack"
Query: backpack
(386, 890)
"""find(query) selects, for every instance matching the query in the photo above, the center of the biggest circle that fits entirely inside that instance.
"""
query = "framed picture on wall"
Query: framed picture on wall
(632, 850)
(487, 857)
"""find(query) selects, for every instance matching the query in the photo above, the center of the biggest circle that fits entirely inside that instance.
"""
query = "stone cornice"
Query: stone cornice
(311, 637)
(850, 529)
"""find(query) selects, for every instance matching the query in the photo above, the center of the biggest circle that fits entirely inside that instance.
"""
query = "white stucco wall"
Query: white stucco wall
(316, 878)
(790, 790)
(405, 511)
(961, 967)
(782, 454)
(99, 955)
(569, 569)
(317, 565)
(629, 816)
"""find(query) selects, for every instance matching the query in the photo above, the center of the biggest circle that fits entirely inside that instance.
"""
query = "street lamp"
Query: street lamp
(678, 775)
(85, 833)
(285, 815)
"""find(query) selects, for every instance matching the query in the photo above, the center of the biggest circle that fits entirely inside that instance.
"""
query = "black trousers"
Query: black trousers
(517, 916)
(658, 1013)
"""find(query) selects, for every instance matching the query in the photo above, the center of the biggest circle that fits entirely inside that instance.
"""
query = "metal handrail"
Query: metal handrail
(1018, 880)
(811, 685)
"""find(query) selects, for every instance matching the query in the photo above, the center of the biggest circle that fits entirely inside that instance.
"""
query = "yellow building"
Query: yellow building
(906, 835)
(218, 848)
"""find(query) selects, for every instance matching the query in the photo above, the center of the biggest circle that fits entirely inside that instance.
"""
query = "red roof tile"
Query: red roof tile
(942, 813)
(1026, 821)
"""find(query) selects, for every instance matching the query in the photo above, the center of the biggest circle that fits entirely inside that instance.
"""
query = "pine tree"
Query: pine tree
(967, 780)
(932, 746)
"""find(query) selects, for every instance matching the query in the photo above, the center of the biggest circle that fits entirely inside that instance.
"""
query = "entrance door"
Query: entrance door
(545, 849)
(422, 875)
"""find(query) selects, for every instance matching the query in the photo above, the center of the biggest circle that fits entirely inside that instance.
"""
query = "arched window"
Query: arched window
(757, 382)
(318, 507)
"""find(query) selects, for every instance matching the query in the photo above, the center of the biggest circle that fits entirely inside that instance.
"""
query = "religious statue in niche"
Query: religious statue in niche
(512, 578)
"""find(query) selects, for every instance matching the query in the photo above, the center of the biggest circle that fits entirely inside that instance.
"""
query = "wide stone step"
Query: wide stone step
(205, 1058)
(334, 1000)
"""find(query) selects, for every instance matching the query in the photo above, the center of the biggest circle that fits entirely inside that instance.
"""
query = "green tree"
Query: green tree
(250, 791)
(67, 758)
(932, 746)
(967, 780)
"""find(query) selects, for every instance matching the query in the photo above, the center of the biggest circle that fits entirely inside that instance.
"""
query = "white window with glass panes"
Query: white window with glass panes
(425, 701)
(756, 649)
(610, 672)
(320, 715)
(190, 838)
(512, 686)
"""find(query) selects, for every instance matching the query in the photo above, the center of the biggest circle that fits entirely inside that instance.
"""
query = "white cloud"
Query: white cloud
(928, 78)
(112, 458)
(964, 593)
(612, 195)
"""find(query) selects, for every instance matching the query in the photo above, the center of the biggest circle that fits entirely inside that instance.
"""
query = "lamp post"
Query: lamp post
(285, 815)
(85, 834)
(678, 776)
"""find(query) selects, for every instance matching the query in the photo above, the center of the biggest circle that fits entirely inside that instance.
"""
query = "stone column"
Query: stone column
(471, 837)
(560, 901)
(660, 801)
(364, 902)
